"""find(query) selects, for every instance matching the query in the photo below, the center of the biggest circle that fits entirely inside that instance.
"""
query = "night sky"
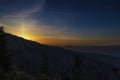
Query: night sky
(63, 22)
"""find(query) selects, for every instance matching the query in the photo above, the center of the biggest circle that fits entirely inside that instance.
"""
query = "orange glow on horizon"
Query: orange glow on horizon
(26, 37)
(56, 41)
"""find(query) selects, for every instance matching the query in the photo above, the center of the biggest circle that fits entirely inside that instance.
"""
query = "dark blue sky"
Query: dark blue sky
(64, 19)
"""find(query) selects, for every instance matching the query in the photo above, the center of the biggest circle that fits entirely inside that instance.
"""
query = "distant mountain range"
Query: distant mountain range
(27, 56)
(108, 54)
(102, 49)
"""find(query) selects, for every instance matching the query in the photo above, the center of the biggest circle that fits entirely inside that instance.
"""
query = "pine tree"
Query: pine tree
(5, 60)
(115, 72)
(64, 75)
(44, 73)
(78, 73)
(45, 66)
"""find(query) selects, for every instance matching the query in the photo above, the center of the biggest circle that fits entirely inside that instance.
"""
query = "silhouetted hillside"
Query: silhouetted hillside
(27, 56)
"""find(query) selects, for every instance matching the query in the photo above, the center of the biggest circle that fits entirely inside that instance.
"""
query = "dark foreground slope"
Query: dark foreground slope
(27, 56)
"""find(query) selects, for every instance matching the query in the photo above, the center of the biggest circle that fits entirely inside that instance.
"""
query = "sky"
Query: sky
(63, 22)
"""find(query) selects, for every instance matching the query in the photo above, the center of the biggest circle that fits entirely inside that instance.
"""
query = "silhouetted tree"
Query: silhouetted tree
(115, 72)
(45, 65)
(5, 60)
(78, 71)
(64, 75)
(44, 73)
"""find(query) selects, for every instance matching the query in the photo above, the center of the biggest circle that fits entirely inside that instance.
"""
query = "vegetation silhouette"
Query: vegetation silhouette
(9, 71)
(5, 59)
(78, 69)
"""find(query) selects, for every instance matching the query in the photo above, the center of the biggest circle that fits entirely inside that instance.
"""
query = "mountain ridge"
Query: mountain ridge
(27, 56)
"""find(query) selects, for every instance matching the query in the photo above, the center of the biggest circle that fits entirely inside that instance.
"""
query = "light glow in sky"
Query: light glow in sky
(62, 22)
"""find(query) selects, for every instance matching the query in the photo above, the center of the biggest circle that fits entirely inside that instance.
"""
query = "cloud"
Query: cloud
(23, 18)
(38, 6)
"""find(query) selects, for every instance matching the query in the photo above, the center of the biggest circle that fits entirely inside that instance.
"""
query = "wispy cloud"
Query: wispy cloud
(38, 6)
